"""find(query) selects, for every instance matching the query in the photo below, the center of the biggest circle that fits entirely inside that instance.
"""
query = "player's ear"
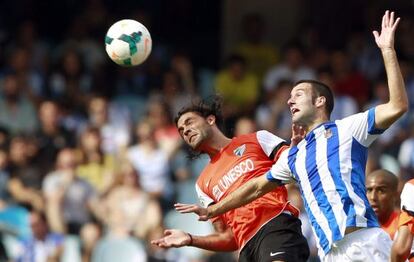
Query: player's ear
(320, 101)
(211, 120)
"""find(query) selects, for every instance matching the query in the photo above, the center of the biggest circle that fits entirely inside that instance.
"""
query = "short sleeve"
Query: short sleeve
(269, 141)
(407, 197)
(361, 126)
(203, 198)
(280, 171)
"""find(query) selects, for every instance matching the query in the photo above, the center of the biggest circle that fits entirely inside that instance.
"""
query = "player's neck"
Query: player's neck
(216, 144)
(316, 122)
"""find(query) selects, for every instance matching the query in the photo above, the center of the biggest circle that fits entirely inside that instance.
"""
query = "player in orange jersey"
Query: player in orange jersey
(382, 194)
(267, 229)
(402, 248)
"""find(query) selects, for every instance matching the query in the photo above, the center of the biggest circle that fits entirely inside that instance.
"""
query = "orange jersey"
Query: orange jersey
(244, 158)
(407, 205)
(407, 209)
(391, 226)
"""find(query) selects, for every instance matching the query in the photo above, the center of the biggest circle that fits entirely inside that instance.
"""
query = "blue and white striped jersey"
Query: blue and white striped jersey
(329, 166)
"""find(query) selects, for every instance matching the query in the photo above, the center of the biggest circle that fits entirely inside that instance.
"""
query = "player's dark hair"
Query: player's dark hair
(204, 107)
(320, 89)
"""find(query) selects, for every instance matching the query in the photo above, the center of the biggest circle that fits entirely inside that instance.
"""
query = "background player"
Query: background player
(402, 248)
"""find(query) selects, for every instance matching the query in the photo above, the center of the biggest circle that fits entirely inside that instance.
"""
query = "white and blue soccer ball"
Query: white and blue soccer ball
(128, 42)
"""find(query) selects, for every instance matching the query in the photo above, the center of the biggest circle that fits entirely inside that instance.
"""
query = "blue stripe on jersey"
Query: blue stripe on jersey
(359, 155)
(318, 190)
(335, 170)
(372, 130)
(323, 240)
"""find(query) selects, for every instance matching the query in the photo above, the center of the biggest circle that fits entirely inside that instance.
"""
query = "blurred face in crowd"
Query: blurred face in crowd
(91, 140)
(195, 129)
(244, 126)
(237, 70)
(38, 226)
(145, 131)
(293, 57)
(67, 161)
(158, 115)
(11, 88)
(381, 193)
(98, 111)
(49, 114)
(18, 150)
(3, 159)
(71, 63)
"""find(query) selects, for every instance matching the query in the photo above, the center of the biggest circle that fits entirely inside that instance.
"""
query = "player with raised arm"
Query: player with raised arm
(329, 164)
(267, 229)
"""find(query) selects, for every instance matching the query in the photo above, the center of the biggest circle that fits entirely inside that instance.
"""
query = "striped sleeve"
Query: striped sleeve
(280, 171)
(362, 126)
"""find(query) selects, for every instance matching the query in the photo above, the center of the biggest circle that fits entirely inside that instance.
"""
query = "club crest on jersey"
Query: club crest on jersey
(328, 133)
(240, 150)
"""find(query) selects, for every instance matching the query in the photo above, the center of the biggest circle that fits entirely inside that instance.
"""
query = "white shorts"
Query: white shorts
(365, 245)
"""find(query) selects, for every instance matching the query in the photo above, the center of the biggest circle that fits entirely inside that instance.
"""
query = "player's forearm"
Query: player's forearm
(250, 191)
(402, 245)
(398, 101)
(214, 242)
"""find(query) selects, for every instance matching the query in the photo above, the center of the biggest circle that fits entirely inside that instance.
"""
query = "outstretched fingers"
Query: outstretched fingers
(186, 208)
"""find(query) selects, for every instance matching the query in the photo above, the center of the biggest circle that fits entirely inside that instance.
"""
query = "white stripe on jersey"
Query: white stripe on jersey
(327, 182)
(346, 168)
(312, 204)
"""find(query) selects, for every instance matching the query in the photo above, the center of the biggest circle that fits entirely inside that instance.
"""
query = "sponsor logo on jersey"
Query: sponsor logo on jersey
(240, 150)
(231, 176)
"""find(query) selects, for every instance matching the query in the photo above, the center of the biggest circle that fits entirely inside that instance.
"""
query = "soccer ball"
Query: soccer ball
(128, 42)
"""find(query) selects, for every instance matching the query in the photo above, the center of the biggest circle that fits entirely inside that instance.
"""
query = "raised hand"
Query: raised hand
(191, 208)
(385, 39)
(173, 238)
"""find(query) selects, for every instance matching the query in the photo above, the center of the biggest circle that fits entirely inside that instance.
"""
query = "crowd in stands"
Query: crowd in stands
(91, 162)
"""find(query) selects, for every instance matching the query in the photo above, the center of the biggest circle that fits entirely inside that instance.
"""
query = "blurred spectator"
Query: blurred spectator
(26, 178)
(391, 139)
(17, 113)
(406, 155)
(274, 114)
(127, 209)
(32, 83)
(173, 91)
(165, 133)
(151, 163)
(51, 135)
(344, 105)
(382, 194)
(244, 125)
(43, 246)
(71, 84)
(364, 56)
(28, 38)
(238, 87)
(114, 128)
(96, 167)
(292, 68)
(260, 55)
(348, 81)
(70, 200)
(4, 176)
